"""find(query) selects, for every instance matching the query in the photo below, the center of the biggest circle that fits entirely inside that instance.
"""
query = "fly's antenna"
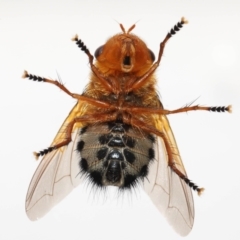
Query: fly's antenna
(131, 28)
(122, 28)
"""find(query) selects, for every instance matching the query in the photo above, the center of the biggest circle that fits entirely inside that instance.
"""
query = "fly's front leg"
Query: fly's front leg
(141, 81)
(94, 118)
(106, 84)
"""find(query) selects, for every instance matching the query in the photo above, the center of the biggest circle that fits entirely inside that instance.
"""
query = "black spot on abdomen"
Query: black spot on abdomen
(151, 154)
(101, 154)
(129, 141)
(104, 139)
(80, 145)
(84, 164)
(96, 178)
(130, 157)
(129, 181)
(144, 171)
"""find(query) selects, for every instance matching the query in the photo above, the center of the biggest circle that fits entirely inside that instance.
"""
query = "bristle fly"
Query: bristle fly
(118, 133)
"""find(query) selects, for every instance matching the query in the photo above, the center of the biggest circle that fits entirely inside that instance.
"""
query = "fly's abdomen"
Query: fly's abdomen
(115, 153)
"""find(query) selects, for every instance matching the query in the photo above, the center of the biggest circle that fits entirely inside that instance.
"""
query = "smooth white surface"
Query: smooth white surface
(202, 60)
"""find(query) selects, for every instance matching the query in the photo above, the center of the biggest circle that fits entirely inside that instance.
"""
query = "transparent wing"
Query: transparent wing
(167, 190)
(55, 177)
(57, 173)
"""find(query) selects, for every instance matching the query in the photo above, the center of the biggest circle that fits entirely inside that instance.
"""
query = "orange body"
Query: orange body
(122, 61)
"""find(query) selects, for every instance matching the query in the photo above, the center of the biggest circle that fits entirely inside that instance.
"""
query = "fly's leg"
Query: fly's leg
(140, 110)
(141, 81)
(94, 118)
(95, 102)
(115, 88)
(142, 125)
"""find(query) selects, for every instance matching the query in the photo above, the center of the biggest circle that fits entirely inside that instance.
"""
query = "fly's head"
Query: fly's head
(124, 52)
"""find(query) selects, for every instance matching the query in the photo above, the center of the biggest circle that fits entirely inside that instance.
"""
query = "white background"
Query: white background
(202, 60)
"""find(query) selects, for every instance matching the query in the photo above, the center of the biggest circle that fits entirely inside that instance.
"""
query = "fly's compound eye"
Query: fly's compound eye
(98, 51)
(152, 55)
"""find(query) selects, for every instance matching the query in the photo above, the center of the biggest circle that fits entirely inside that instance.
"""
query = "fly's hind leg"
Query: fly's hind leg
(94, 118)
(171, 163)
(192, 185)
